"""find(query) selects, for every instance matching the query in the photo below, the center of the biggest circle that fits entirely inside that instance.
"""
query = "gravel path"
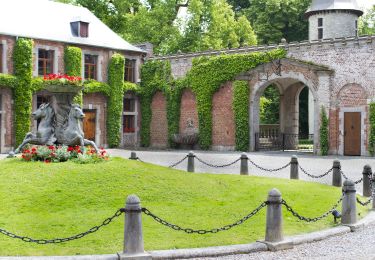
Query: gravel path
(351, 166)
(356, 246)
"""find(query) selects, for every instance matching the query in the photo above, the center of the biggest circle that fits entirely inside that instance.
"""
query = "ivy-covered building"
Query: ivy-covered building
(41, 38)
(219, 91)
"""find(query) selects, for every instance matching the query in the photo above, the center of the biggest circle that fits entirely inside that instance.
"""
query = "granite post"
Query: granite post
(274, 221)
(190, 164)
(349, 203)
(367, 174)
(133, 156)
(244, 164)
(336, 176)
(294, 168)
(133, 237)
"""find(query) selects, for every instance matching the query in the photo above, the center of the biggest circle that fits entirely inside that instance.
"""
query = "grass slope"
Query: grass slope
(58, 200)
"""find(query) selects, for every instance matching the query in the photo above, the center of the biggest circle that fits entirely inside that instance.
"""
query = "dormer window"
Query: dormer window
(80, 29)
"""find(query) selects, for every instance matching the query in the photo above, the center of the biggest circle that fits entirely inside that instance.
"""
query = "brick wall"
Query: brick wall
(159, 124)
(223, 126)
(188, 110)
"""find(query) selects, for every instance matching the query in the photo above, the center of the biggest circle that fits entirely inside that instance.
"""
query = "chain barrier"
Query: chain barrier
(217, 166)
(343, 174)
(307, 219)
(178, 162)
(315, 176)
(202, 231)
(106, 222)
(364, 203)
(269, 170)
(359, 181)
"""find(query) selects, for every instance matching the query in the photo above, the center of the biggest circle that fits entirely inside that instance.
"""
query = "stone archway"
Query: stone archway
(294, 76)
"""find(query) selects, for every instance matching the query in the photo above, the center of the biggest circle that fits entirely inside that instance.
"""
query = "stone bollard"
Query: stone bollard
(294, 168)
(336, 176)
(349, 203)
(190, 164)
(244, 164)
(367, 174)
(274, 220)
(133, 156)
(133, 238)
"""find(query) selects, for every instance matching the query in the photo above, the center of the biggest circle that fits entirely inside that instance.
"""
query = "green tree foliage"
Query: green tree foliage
(270, 105)
(367, 23)
(273, 20)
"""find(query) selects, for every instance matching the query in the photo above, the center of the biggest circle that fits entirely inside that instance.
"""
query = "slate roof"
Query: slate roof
(48, 20)
(323, 5)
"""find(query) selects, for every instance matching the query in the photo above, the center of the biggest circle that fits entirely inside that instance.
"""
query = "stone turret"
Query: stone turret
(333, 19)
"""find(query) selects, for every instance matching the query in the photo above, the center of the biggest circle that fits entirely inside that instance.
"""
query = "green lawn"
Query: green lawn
(56, 200)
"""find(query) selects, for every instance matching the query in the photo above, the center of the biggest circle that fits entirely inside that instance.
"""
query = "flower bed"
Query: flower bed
(63, 153)
(62, 79)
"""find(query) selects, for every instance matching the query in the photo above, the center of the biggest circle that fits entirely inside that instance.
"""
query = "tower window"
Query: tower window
(356, 28)
(320, 22)
(320, 33)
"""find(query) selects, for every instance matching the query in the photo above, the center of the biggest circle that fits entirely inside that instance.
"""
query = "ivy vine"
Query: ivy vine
(323, 132)
(371, 146)
(241, 95)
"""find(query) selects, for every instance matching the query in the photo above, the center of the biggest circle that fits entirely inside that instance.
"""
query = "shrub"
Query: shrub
(324, 146)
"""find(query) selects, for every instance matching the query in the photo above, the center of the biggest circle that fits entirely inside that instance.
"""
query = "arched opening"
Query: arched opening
(283, 116)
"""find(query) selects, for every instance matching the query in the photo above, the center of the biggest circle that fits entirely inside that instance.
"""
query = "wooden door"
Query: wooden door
(89, 124)
(352, 133)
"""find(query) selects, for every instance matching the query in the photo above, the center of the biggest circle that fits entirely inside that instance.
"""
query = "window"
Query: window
(45, 62)
(80, 29)
(128, 123)
(320, 22)
(91, 62)
(320, 28)
(356, 28)
(130, 70)
(129, 105)
(1, 58)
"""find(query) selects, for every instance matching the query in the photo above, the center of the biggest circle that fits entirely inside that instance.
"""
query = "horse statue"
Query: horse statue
(71, 134)
(45, 132)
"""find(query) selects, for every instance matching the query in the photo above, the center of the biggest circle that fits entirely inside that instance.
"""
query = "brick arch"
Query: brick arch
(223, 124)
(159, 123)
(352, 95)
(188, 110)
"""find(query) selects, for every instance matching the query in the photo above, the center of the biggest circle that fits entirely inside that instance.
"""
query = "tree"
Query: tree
(276, 19)
(367, 23)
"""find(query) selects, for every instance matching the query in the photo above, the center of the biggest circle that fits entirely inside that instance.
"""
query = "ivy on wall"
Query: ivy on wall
(371, 147)
(7, 81)
(207, 76)
(323, 132)
(241, 94)
(115, 100)
(73, 67)
(156, 76)
(22, 60)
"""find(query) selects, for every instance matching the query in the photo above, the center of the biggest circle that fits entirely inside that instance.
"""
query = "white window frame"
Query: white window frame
(137, 66)
(4, 57)
(99, 75)
(55, 57)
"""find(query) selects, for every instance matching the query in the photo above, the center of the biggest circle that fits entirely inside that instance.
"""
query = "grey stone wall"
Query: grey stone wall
(335, 24)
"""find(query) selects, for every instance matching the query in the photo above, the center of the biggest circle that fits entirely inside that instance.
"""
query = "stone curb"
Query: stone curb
(226, 250)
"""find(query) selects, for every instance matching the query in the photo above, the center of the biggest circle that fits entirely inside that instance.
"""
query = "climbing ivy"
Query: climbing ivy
(156, 76)
(371, 147)
(241, 114)
(22, 61)
(7, 81)
(207, 76)
(115, 100)
(73, 67)
(324, 145)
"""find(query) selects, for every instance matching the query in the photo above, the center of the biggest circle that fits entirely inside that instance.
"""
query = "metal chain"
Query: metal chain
(364, 203)
(269, 170)
(177, 163)
(217, 166)
(201, 231)
(307, 219)
(359, 181)
(138, 159)
(62, 240)
(315, 176)
(343, 174)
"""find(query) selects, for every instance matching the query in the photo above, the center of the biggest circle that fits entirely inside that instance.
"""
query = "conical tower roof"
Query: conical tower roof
(328, 5)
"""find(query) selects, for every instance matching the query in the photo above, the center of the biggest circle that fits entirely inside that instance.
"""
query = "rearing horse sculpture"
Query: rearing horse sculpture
(72, 133)
(45, 132)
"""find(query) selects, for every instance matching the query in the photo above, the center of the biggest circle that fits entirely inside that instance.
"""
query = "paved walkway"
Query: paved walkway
(316, 165)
